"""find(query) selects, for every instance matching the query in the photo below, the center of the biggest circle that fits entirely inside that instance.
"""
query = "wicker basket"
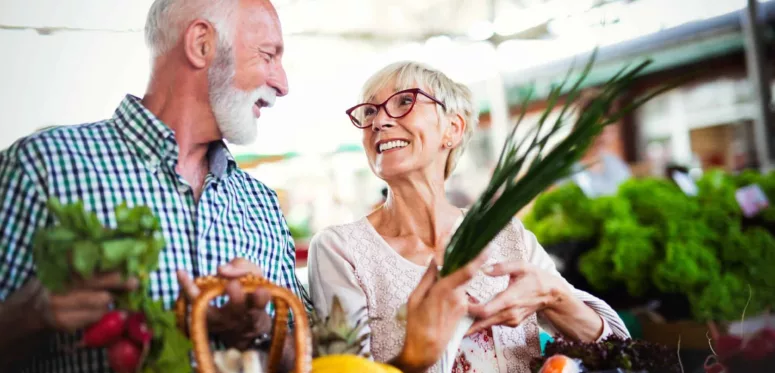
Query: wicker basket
(212, 287)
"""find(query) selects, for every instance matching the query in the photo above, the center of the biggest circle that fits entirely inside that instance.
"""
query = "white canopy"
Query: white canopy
(72, 61)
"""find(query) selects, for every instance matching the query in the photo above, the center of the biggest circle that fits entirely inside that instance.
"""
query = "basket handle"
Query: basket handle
(211, 287)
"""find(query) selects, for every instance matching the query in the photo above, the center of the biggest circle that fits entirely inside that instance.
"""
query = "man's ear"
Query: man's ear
(199, 43)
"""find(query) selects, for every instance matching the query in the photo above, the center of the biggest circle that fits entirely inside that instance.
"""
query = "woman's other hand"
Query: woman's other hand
(530, 290)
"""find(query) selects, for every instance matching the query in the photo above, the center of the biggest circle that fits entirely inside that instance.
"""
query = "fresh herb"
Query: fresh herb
(535, 164)
(80, 246)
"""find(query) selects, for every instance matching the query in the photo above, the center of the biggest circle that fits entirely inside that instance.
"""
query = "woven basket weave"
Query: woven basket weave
(212, 287)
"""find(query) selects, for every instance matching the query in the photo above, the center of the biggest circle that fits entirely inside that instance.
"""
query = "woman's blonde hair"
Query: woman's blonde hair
(456, 97)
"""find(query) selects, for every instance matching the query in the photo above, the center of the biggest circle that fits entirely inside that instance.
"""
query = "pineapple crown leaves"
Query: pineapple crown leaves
(527, 166)
(334, 335)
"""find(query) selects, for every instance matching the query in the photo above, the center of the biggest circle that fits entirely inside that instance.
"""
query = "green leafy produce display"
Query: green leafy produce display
(651, 237)
(562, 215)
(139, 332)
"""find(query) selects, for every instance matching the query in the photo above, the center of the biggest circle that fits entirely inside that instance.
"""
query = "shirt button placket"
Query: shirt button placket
(153, 165)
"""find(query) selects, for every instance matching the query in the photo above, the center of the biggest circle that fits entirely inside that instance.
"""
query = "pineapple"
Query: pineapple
(335, 336)
(337, 346)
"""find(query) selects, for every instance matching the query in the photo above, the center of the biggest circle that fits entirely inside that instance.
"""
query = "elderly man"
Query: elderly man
(216, 66)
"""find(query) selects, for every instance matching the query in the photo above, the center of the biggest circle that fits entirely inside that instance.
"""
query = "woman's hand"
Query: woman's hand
(433, 312)
(530, 290)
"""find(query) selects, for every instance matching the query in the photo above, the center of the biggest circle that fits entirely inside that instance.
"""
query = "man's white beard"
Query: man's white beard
(232, 107)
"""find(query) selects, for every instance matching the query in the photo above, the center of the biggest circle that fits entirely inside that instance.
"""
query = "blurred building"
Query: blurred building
(706, 121)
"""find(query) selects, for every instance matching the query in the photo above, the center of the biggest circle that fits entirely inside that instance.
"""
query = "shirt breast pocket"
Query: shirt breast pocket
(252, 256)
(262, 248)
(260, 235)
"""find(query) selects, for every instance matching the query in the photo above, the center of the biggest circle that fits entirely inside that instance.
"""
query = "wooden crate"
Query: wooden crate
(693, 335)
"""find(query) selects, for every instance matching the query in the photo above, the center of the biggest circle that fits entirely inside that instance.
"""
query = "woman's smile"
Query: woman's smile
(391, 145)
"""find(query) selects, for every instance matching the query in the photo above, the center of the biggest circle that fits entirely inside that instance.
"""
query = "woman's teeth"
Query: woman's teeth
(392, 144)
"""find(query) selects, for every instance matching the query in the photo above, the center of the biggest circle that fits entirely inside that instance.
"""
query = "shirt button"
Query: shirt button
(183, 189)
(153, 166)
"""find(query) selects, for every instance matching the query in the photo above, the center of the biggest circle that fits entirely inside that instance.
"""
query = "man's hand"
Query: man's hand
(434, 310)
(243, 318)
(31, 312)
(85, 303)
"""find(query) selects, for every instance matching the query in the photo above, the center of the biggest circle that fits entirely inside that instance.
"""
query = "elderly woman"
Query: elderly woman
(415, 123)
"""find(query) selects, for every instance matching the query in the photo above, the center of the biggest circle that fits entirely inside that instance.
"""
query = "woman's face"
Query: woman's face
(396, 147)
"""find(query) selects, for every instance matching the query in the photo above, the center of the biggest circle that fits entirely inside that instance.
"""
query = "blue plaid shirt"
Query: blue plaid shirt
(132, 158)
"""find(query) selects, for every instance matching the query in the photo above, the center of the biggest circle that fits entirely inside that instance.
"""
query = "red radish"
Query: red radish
(124, 356)
(755, 351)
(714, 368)
(106, 331)
(137, 329)
(760, 346)
(767, 334)
(727, 345)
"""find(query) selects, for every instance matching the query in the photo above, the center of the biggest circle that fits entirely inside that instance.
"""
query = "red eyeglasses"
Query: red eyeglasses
(396, 106)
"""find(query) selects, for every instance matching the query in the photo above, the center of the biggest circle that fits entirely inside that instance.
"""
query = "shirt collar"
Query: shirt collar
(151, 138)
(222, 163)
(155, 142)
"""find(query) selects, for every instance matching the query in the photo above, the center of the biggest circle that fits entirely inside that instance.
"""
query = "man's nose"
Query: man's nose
(279, 81)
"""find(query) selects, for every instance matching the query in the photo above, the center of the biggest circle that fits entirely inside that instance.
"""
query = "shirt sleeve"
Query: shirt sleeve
(289, 270)
(331, 273)
(618, 167)
(612, 323)
(279, 265)
(22, 211)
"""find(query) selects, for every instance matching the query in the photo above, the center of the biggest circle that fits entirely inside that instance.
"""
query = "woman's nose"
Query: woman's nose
(382, 120)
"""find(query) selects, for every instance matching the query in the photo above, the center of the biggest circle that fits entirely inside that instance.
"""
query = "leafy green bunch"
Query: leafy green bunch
(562, 215)
(652, 237)
(744, 247)
(79, 246)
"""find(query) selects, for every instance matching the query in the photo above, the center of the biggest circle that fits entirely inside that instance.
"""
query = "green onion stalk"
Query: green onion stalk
(526, 166)
(529, 165)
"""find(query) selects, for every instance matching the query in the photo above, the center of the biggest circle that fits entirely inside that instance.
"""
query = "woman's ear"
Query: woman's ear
(455, 130)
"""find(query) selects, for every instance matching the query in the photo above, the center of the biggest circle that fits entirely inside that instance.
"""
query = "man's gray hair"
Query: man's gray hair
(167, 19)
